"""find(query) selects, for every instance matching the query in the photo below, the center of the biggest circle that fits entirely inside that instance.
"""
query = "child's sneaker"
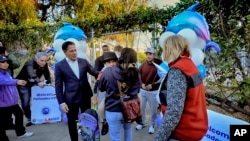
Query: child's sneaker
(140, 126)
(27, 134)
(151, 130)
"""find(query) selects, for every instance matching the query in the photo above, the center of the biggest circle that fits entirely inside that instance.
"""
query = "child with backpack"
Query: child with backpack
(109, 60)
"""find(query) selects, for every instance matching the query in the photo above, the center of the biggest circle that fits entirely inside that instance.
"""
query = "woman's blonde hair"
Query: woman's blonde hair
(175, 47)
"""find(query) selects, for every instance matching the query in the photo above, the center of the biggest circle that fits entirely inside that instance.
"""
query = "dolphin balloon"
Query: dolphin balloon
(69, 32)
(194, 27)
(190, 19)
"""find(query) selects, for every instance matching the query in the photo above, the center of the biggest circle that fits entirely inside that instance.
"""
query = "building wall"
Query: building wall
(144, 39)
(162, 3)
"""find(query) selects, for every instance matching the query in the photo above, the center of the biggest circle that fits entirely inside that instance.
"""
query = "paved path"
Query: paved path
(59, 132)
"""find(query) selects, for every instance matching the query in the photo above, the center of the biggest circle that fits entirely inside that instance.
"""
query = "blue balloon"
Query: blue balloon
(190, 19)
(163, 66)
(194, 21)
(50, 50)
(213, 45)
(70, 31)
(202, 70)
(65, 118)
(159, 120)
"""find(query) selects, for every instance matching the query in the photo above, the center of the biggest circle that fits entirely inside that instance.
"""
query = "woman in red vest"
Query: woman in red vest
(183, 92)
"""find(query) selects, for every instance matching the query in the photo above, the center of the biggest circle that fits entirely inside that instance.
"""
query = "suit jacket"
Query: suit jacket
(69, 88)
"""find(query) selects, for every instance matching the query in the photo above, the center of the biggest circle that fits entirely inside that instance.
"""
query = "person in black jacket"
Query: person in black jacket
(99, 65)
(99, 60)
(32, 72)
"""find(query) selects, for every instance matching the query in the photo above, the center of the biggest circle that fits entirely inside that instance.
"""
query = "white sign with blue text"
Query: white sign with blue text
(44, 106)
(219, 126)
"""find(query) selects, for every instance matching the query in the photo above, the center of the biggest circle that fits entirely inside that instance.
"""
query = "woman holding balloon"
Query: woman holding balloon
(183, 92)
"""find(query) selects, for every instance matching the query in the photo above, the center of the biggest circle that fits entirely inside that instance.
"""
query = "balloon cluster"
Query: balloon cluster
(192, 26)
(69, 33)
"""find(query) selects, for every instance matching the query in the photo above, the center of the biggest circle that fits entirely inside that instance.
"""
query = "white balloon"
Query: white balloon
(83, 45)
(164, 37)
(76, 42)
(197, 56)
(81, 55)
(59, 56)
(200, 43)
(57, 44)
(188, 34)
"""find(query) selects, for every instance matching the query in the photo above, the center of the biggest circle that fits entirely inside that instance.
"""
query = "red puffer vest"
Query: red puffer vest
(193, 124)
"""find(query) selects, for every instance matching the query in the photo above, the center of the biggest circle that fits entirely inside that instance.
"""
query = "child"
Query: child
(9, 102)
(126, 73)
(109, 60)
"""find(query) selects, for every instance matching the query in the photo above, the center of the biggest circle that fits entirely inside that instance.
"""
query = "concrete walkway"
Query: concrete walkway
(59, 132)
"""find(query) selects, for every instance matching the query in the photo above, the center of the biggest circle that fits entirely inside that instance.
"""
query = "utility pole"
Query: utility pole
(154, 34)
(154, 37)
(126, 29)
(93, 46)
(153, 26)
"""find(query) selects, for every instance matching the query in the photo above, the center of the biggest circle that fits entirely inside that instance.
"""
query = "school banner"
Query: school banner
(219, 126)
(44, 105)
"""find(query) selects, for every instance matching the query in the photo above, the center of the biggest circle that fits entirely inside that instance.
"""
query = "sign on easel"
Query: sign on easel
(44, 105)
(219, 126)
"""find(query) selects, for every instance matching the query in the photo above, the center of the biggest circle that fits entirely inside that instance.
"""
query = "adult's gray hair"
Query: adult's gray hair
(40, 54)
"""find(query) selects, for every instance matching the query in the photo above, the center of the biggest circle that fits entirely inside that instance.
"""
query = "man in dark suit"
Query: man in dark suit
(73, 90)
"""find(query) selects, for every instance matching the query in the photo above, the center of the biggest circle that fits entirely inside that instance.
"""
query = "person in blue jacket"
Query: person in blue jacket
(126, 73)
(9, 102)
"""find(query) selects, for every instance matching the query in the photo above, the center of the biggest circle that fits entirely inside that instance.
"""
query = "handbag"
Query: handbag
(130, 108)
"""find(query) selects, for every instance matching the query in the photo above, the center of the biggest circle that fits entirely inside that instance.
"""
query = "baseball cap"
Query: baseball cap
(3, 58)
(150, 50)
